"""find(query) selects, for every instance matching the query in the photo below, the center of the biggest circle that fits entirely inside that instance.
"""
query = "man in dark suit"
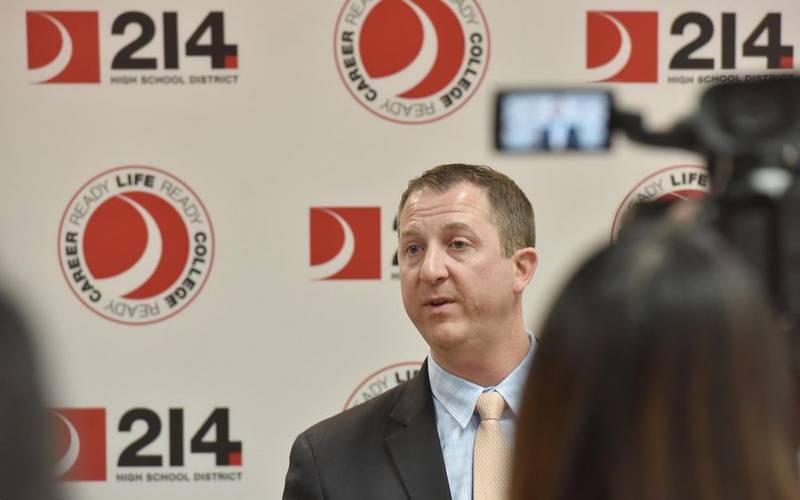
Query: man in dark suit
(466, 237)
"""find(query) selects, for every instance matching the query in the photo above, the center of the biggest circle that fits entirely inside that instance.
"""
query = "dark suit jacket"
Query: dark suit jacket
(384, 449)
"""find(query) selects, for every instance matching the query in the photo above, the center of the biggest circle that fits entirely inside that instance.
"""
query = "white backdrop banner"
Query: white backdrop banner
(199, 198)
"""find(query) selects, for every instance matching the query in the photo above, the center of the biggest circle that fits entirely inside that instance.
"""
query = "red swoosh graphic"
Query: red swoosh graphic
(451, 49)
(603, 40)
(390, 39)
(175, 245)
(44, 40)
(327, 237)
(115, 238)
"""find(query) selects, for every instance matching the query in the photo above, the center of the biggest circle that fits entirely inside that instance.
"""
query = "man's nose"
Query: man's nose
(434, 266)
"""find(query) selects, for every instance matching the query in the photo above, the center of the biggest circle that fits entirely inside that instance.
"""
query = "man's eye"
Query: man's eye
(413, 249)
(459, 244)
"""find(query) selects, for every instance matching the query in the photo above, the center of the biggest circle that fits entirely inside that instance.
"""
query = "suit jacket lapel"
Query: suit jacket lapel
(415, 446)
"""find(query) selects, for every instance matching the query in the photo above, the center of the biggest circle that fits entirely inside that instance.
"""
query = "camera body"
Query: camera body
(749, 134)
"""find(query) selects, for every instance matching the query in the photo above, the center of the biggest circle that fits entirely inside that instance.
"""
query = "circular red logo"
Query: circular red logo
(381, 381)
(679, 182)
(412, 61)
(135, 244)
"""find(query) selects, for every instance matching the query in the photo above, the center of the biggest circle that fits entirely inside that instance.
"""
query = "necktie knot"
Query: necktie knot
(490, 405)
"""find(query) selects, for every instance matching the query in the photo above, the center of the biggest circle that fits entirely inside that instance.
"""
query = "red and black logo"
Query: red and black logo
(728, 42)
(698, 48)
(211, 438)
(622, 46)
(679, 182)
(381, 381)
(136, 244)
(412, 61)
(163, 48)
(345, 242)
(63, 47)
(80, 443)
(176, 446)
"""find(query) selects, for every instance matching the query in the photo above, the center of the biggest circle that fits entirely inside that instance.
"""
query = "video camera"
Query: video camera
(749, 133)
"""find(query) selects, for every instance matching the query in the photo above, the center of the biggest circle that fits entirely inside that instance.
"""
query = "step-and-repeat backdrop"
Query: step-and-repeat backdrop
(198, 198)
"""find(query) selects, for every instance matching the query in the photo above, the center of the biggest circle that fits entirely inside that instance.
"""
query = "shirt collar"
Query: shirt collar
(459, 396)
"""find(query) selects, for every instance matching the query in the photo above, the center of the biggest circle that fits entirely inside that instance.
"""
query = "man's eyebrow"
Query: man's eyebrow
(450, 226)
(408, 233)
(454, 226)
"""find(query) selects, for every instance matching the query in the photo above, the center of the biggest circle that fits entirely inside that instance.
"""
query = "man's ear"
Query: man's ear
(525, 260)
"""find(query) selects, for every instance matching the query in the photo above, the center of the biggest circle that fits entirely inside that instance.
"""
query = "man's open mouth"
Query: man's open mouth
(438, 302)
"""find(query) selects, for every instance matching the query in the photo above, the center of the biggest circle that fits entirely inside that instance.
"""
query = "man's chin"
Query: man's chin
(445, 337)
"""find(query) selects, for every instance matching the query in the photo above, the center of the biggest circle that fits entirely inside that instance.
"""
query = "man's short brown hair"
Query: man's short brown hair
(512, 213)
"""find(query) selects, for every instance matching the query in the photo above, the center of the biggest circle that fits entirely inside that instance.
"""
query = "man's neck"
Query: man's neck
(486, 366)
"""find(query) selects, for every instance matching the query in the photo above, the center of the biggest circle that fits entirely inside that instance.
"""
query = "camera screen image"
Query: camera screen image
(553, 120)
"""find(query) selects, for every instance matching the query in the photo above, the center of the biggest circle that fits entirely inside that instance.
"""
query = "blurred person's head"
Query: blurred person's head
(660, 374)
(25, 459)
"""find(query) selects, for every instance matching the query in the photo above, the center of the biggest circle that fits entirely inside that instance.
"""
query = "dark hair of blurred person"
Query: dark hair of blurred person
(25, 458)
(661, 374)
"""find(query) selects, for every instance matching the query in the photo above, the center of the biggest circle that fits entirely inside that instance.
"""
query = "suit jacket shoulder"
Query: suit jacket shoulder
(386, 448)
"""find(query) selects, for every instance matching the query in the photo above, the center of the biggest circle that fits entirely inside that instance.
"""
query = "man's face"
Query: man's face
(457, 286)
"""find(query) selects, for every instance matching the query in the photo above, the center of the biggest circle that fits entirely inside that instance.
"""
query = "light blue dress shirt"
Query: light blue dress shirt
(454, 399)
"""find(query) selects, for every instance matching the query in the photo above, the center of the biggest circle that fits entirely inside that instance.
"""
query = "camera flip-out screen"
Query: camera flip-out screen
(553, 120)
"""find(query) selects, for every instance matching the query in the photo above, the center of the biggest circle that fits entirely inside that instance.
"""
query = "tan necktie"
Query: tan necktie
(492, 456)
